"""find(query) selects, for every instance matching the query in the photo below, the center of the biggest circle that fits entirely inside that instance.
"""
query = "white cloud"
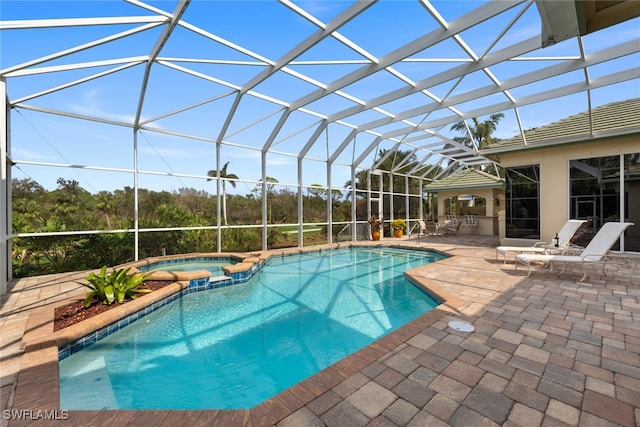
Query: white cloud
(35, 156)
(92, 103)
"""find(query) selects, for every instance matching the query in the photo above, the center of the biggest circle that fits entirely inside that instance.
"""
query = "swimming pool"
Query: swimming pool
(234, 347)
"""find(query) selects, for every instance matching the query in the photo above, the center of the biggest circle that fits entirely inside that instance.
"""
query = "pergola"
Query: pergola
(326, 83)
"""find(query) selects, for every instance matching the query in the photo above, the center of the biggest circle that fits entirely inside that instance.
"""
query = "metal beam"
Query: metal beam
(76, 49)
(346, 16)
(628, 48)
(181, 7)
(463, 23)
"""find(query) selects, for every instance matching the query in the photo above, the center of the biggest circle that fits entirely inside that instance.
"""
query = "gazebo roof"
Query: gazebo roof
(465, 180)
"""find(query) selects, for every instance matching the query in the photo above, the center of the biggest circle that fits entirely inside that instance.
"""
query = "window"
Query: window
(595, 189)
(603, 191)
(523, 202)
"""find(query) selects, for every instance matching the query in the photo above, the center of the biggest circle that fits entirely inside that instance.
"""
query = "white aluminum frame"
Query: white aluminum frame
(437, 151)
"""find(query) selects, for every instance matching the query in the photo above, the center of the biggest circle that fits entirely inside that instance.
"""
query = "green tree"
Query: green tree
(482, 132)
(359, 186)
(271, 185)
(398, 162)
(316, 190)
(72, 204)
(194, 201)
(224, 176)
(105, 203)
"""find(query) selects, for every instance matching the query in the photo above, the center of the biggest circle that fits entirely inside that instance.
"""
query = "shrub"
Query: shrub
(116, 286)
(398, 224)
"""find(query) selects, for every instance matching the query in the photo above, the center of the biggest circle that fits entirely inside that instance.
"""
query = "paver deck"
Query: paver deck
(546, 350)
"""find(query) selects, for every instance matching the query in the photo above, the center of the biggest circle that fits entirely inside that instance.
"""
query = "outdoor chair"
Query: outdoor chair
(450, 226)
(428, 228)
(470, 224)
(565, 235)
(596, 252)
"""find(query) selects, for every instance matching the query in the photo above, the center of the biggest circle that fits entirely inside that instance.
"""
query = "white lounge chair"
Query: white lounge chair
(565, 235)
(595, 252)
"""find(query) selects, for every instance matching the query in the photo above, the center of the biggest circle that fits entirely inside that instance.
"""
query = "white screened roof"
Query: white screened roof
(290, 85)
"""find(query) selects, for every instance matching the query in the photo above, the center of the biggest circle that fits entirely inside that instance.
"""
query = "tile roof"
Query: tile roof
(467, 179)
(616, 118)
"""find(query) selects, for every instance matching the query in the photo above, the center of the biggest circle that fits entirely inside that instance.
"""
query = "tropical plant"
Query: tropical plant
(481, 132)
(398, 224)
(115, 286)
(359, 186)
(375, 223)
(224, 176)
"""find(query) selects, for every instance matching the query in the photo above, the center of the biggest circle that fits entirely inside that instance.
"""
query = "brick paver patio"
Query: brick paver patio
(546, 350)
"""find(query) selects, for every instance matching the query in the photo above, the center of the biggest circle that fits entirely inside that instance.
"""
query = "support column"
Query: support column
(329, 206)
(391, 195)
(353, 202)
(136, 200)
(5, 194)
(300, 206)
(407, 205)
(263, 168)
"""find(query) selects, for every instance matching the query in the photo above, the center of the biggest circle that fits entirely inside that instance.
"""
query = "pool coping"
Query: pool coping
(38, 382)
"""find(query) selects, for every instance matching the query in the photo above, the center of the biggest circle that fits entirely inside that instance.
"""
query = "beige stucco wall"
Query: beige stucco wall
(554, 176)
(487, 216)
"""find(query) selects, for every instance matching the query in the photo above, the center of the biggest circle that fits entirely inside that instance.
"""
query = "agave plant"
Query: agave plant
(115, 286)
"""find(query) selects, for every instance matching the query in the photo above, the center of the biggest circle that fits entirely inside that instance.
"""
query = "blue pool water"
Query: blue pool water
(235, 347)
(213, 265)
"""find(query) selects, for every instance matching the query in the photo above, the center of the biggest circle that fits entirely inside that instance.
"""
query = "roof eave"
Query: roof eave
(577, 139)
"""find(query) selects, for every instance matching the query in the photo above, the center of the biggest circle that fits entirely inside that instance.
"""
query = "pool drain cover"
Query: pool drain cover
(461, 326)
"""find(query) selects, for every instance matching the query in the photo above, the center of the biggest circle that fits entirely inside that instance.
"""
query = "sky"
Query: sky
(187, 97)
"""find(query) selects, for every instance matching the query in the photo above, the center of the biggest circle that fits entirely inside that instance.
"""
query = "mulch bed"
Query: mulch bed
(75, 312)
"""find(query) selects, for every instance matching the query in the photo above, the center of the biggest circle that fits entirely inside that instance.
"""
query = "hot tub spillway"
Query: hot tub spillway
(243, 269)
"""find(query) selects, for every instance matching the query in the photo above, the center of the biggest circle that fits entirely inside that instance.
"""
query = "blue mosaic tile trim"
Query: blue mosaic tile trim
(195, 285)
(105, 331)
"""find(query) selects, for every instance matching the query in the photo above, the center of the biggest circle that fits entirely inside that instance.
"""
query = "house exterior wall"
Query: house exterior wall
(554, 175)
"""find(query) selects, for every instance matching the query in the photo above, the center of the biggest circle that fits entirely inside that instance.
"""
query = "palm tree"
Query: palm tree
(482, 131)
(224, 176)
(359, 186)
(388, 164)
